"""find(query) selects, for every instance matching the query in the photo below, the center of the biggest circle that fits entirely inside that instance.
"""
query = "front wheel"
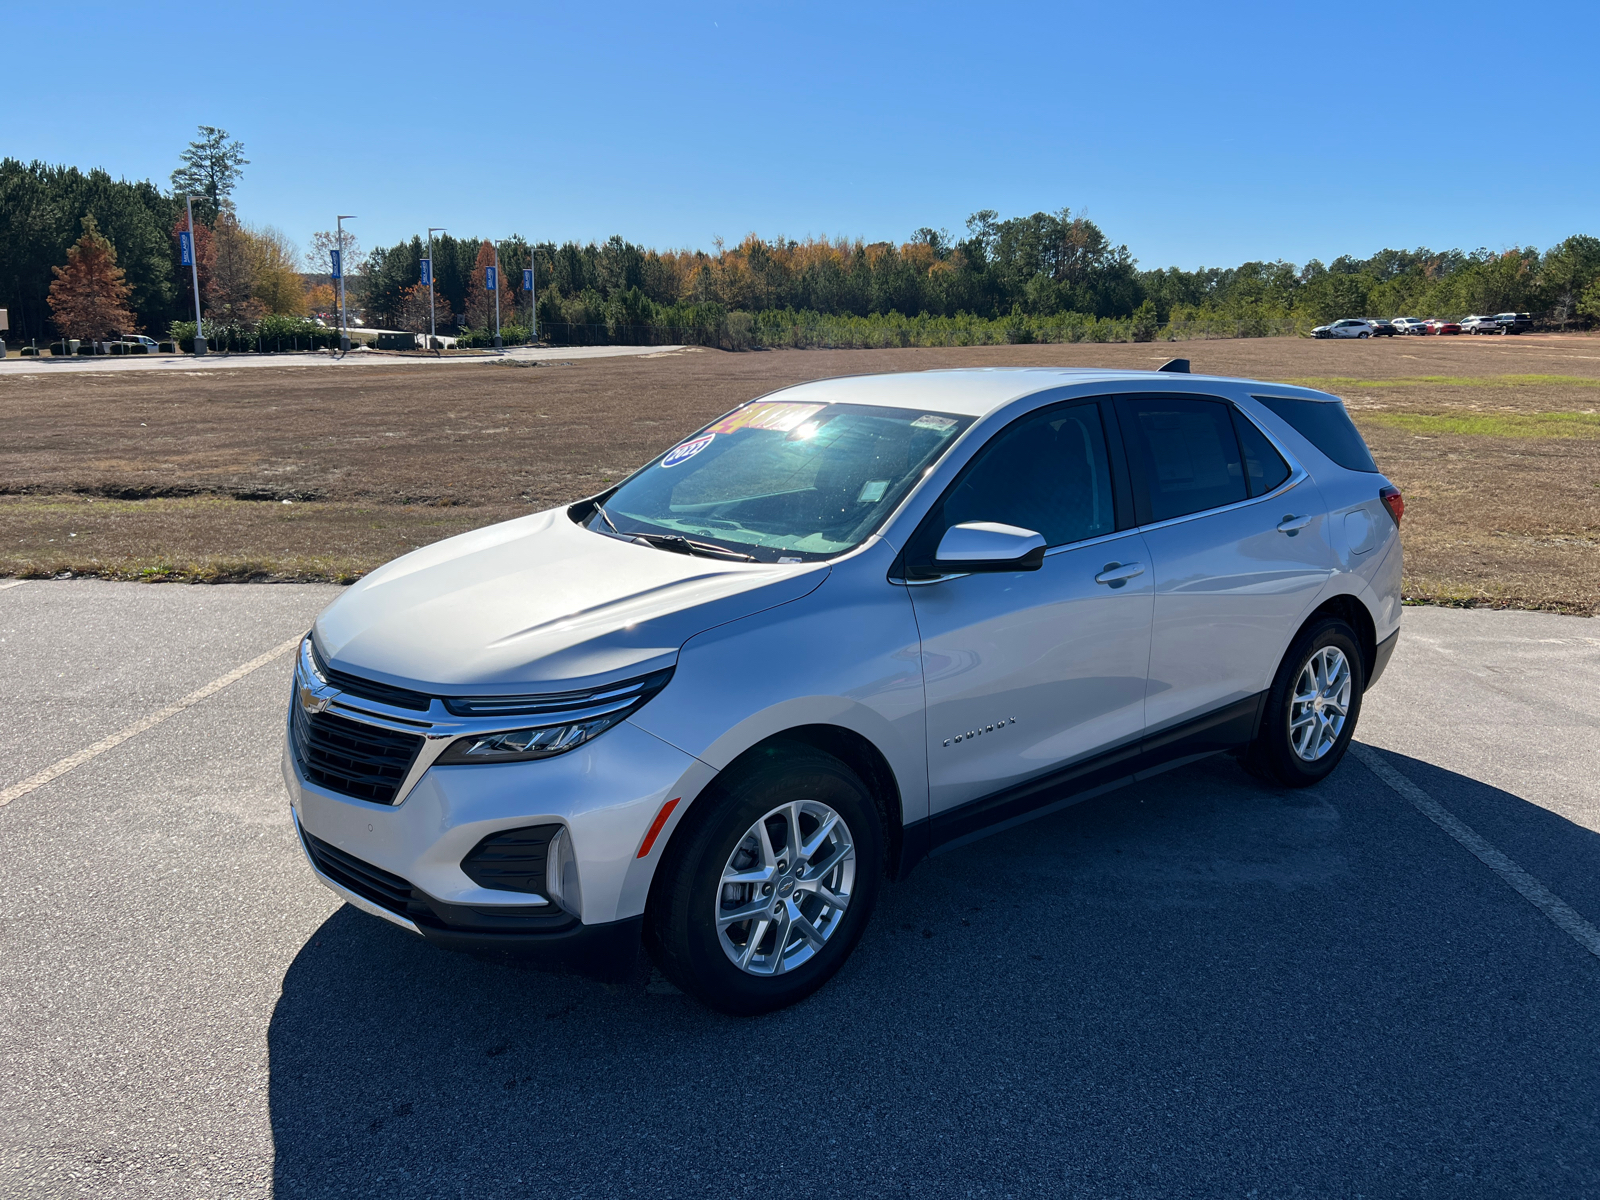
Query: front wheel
(1312, 707)
(1363, 335)
(763, 896)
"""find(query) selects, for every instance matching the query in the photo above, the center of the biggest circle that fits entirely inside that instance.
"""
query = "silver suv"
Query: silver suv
(839, 628)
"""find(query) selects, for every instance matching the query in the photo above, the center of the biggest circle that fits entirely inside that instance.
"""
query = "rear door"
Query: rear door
(1029, 672)
(1238, 542)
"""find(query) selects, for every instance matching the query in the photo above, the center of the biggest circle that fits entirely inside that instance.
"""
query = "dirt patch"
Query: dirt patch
(1492, 439)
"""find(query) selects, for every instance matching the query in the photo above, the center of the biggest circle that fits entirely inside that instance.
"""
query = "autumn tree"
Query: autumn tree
(413, 309)
(321, 299)
(231, 296)
(209, 171)
(480, 302)
(89, 298)
(278, 285)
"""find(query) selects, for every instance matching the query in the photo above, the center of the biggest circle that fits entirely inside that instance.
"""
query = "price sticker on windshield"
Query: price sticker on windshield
(781, 418)
(686, 451)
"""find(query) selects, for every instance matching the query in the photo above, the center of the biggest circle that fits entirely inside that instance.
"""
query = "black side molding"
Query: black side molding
(1177, 366)
(1226, 728)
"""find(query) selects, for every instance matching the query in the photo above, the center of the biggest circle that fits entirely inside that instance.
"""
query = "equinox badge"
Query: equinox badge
(980, 731)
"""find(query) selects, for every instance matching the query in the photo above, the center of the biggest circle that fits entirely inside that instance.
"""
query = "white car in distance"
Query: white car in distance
(1351, 327)
(715, 707)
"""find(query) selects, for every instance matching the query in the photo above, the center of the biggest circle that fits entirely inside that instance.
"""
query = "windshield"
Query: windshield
(781, 481)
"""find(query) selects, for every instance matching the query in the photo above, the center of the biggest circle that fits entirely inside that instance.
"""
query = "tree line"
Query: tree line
(1019, 275)
(1048, 276)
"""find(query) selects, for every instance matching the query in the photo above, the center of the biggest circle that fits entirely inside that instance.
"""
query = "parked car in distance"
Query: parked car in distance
(1351, 327)
(1384, 329)
(1480, 325)
(1413, 326)
(1514, 322)
(1437, 325)
(719, 705)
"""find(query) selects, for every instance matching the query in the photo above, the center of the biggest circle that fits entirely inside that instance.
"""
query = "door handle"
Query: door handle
(1293, 524)
(1116, 573)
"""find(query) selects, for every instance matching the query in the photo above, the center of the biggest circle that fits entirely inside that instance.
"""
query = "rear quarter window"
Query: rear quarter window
(1328, 427)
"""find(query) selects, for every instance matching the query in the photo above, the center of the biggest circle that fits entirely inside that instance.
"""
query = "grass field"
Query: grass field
(1495, 442)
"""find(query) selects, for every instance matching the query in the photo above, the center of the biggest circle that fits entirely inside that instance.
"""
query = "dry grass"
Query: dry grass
(1496, 443)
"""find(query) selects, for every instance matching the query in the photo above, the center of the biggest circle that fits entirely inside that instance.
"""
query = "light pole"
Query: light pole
(533, 296)
(432, 332)
(344, 328)
(495, 277)
(194, 277)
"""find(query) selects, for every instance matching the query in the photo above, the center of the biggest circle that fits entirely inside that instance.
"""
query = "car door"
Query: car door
(1239, 548)
(1030, 675)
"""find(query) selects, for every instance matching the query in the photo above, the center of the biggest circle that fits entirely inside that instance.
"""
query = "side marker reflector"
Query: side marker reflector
(655, 826)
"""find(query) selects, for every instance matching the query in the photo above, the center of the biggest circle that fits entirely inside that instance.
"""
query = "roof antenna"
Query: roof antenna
(1178, 366)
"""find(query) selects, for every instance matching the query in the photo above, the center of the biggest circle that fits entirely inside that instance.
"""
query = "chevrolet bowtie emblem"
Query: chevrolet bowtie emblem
(310, 701)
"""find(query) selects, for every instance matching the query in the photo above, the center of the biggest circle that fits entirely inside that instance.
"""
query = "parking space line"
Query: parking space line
(1551, 905)
(12, 584)
(56, 770)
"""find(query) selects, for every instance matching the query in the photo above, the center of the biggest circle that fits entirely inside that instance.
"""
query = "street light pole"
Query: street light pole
(497, 342)
(432, 332)
(194, 277)
(344, 327)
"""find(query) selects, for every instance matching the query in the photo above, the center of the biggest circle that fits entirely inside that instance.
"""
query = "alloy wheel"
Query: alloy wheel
(1321, 704)
(785, 888)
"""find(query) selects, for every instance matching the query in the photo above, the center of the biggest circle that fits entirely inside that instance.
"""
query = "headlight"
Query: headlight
(569, 720)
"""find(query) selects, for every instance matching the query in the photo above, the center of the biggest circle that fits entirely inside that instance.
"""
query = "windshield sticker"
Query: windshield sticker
(872, 492)
(939, 424)
(779, 417)
(687, 450)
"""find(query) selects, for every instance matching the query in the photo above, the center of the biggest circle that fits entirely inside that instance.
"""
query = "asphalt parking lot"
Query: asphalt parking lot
(1198, 987)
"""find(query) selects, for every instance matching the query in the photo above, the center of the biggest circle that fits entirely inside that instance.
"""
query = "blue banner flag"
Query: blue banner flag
(491, 279)
(527, 280)
(427, 271)
(338, 271)
(186, 248)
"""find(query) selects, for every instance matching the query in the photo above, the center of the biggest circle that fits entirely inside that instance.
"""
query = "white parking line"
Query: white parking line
(59, 769)
(12, 584)
(1541, 897)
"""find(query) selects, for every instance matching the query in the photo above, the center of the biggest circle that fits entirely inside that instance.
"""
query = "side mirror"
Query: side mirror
(988, 546)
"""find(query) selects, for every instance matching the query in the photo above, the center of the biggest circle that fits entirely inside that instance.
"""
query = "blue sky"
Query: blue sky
(1198, 134)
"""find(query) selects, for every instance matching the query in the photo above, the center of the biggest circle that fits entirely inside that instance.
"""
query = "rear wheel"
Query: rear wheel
(763, 897)
(1312, 707)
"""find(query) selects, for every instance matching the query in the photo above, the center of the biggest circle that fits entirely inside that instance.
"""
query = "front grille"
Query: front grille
(370, 689)
(374, 883)
(512, 860)
(350, 757)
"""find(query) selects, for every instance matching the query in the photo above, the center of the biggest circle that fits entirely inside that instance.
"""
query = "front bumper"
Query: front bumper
(402, 862)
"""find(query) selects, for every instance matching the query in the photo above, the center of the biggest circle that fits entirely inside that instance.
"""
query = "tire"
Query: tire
(698, 952)
(1363, 336)
(1284, 751)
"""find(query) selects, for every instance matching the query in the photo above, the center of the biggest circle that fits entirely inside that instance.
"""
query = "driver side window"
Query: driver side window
(1048, 472)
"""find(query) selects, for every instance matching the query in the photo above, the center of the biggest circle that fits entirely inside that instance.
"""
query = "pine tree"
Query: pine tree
(89, 298)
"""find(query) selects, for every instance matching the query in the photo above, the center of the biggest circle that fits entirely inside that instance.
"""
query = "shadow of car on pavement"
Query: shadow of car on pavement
(1196, 986)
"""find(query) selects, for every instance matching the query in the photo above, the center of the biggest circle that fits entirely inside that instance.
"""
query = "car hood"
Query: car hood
(540, 604)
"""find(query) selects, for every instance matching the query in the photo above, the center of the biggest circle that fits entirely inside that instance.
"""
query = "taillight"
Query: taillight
(1394, 502)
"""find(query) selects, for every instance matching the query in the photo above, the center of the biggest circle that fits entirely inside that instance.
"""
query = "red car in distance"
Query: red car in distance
(1437, 326)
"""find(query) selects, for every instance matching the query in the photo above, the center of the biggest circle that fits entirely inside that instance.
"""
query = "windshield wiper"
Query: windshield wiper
(683, 545)
(606, 517)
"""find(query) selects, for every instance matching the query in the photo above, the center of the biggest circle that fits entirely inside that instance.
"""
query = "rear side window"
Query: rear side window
(1264, 467)
(1186, 452)
(1328, 427)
